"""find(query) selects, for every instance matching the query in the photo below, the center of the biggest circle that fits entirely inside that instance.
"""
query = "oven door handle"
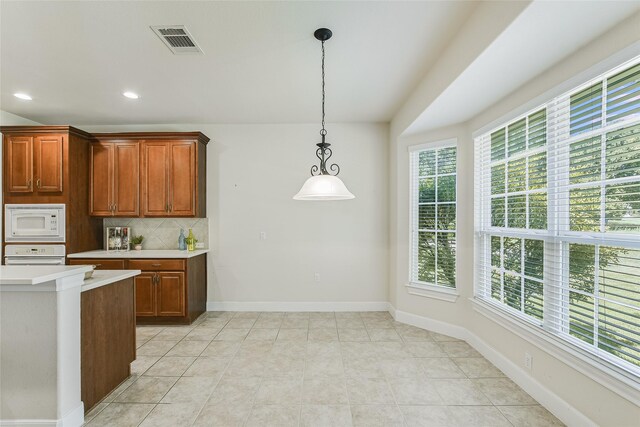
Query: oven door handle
(33, 261)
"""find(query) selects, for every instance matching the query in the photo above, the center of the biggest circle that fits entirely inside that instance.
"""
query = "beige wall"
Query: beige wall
(579, 391)
(253, 171)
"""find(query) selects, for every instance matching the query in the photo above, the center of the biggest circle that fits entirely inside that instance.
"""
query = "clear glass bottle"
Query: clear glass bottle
(182, 244)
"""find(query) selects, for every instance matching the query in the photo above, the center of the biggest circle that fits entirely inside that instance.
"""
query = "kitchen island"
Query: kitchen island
(57, 334)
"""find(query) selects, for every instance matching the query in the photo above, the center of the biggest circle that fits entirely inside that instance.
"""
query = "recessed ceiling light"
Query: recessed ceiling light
(23, 96)
(131, 95)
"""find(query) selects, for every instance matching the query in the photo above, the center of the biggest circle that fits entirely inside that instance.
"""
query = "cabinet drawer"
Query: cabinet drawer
(157, 264)
(101, 264)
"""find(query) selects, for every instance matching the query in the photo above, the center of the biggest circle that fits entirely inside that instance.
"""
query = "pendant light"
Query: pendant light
(323, 185)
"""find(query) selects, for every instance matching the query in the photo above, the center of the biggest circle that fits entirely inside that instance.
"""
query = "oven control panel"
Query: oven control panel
(34, 250)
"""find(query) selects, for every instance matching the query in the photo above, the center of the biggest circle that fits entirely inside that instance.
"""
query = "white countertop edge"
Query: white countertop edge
(38, 274)
(145, 253)
(106, 277)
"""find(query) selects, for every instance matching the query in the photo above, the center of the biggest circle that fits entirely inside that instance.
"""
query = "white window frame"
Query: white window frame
(552, 334)
(415, 287)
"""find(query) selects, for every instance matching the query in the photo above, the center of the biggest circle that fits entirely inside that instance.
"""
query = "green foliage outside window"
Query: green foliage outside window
(437, 216)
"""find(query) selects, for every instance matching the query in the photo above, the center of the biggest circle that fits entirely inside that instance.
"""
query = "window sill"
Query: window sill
(432, 291)
(610, 376)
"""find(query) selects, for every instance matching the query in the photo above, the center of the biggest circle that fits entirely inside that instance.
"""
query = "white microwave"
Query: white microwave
(34, 223)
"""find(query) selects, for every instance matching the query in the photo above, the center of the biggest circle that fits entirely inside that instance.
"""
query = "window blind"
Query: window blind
(433, 215)
(557, 217)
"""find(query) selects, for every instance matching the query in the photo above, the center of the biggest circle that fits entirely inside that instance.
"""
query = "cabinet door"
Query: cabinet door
(126, 179)
(170, 294)
(182, 179)
(19, 164)
(145, 294)
(48, 163)
(155, 178)
(101, 185)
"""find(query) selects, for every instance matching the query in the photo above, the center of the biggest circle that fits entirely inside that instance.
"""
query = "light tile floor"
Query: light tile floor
(312, 369)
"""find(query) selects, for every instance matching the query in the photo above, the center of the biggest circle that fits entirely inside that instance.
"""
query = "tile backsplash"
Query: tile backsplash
(162, 233)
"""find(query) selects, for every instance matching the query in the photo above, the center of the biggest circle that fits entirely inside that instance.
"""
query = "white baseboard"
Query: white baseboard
(431, 324)
(392, 310)
(74, 418)
(296, 306)
(551, 401)
(554, 403)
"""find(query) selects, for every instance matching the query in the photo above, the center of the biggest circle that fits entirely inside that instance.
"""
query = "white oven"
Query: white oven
(34, 223)
(34, 255)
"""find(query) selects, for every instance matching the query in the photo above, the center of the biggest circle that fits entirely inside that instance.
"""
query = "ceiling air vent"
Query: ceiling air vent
(177, 39)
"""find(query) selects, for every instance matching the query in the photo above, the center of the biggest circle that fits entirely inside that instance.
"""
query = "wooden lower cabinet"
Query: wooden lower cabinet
(170, 294)
(168, 291)
(145, 295)
(160, 294)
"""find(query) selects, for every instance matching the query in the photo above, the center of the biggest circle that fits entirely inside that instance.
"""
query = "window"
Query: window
(558, 217)
(433, 215)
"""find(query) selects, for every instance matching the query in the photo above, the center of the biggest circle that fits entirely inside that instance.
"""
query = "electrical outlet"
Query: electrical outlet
(317, 277)
(200, 245)
(528, 361)
(263, 235)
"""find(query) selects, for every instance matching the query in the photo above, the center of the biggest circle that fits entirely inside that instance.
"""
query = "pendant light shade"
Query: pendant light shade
(323, 185)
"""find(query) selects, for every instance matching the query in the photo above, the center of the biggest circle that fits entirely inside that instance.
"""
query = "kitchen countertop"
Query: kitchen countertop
(37, 274)
(148, 253)
(106, 277)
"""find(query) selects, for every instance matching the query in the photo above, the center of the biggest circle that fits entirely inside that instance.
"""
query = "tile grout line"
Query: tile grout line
(174, 384)
(201, 322)
(223, 371)
(304, 371)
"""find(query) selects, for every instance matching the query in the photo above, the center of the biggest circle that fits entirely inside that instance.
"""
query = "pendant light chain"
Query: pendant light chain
(323, 131)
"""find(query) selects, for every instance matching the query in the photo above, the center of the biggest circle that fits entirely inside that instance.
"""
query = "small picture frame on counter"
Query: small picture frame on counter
(117, 238)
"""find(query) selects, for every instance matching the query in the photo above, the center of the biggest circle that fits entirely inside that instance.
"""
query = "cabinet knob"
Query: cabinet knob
(156, 265)
(38, 183)
(29, 184)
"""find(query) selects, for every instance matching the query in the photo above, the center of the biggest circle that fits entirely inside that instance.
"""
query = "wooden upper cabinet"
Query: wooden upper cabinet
(18, 164)
(34, 162)
(101, 173)
(171, 181)
(126, 179)
(115, 174)
(48, 163)
(155, 178)
(182, 179)
(149, 174)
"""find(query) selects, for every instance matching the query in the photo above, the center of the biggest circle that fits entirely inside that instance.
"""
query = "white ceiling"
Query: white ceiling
(261, 62)
(541, 36)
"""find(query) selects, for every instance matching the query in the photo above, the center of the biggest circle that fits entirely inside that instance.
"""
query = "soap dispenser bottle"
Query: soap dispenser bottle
(191, 241)
(182, 244)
